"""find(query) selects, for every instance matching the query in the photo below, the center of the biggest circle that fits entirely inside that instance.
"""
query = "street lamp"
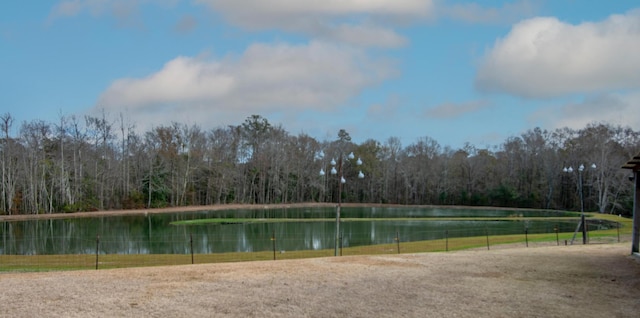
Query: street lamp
(341, 181)
(580, 193)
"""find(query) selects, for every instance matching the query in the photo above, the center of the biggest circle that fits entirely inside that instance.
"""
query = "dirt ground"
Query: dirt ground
(599, 280)
(596, 280)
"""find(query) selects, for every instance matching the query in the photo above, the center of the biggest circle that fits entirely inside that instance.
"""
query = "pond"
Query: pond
(155, 233)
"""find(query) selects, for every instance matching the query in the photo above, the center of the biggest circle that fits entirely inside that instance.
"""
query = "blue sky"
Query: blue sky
(454, 71)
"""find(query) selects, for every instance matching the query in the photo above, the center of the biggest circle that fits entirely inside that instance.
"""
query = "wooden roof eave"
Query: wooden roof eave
(633, 164)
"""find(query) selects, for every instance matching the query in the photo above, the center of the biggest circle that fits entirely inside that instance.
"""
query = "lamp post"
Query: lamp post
(580, 193)
(341, 181)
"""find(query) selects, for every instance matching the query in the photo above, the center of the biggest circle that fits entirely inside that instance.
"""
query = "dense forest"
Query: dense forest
(100, 163)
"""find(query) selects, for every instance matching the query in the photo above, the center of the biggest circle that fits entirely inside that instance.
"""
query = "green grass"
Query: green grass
(28, 263)
(283, 220)
(242, 221)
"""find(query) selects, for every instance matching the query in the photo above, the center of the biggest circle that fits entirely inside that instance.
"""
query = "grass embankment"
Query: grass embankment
(88, 261)
(283, 220)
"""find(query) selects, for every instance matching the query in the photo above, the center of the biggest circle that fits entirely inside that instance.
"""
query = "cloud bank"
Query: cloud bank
(544, 57)
(357, 22)
(615, 108)
(278, 77)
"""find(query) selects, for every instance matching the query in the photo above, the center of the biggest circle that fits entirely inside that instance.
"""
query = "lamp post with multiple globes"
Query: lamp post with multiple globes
(580, 194)
(341, 180)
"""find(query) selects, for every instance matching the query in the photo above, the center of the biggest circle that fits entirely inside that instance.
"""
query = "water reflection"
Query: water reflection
(153, 234)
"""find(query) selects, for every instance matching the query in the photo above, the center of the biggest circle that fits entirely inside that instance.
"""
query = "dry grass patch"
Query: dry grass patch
(598, 280)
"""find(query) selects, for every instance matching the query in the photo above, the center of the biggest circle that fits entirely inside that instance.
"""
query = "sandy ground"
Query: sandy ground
(598, 280)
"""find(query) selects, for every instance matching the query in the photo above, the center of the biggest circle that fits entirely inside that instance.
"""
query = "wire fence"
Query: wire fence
(103, 252)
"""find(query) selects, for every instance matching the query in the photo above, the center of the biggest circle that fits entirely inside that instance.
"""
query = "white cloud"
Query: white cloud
(544, 57)
(357, 22)
(615, 108)
(474, 13)
(265, 79)
(268, 12)
(361, 35)
(181, 80)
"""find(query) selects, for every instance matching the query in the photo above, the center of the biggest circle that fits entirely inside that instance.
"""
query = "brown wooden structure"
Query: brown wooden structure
(634, 166)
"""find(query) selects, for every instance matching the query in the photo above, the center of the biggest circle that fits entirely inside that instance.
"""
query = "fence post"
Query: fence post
(486, 230)
(446, 240)
(398, 240)
(618, 223)
(557, 237)
(526, 236)
(586, 227)
(273, 240)
(191, 244)
(97, 249)
(341, 243)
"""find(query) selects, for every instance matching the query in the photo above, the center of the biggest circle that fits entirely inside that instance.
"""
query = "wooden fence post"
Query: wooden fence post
(191, 244)
(273, 240)
(446, 240)
(487, 233)
(97, 249)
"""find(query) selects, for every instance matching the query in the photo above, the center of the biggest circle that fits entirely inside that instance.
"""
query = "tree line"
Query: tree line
(100, 163)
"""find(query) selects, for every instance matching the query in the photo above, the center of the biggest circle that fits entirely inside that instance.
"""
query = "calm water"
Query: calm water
(153, 234)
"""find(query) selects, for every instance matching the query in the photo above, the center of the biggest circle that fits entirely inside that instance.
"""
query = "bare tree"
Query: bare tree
(420, 158)
(223, 159)
(255, 130)
(8, 165)
(64, 195)
(600, 146)
(390, 156)
(127, 133)
(36, 168)
(101, 134)
(368, 189)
